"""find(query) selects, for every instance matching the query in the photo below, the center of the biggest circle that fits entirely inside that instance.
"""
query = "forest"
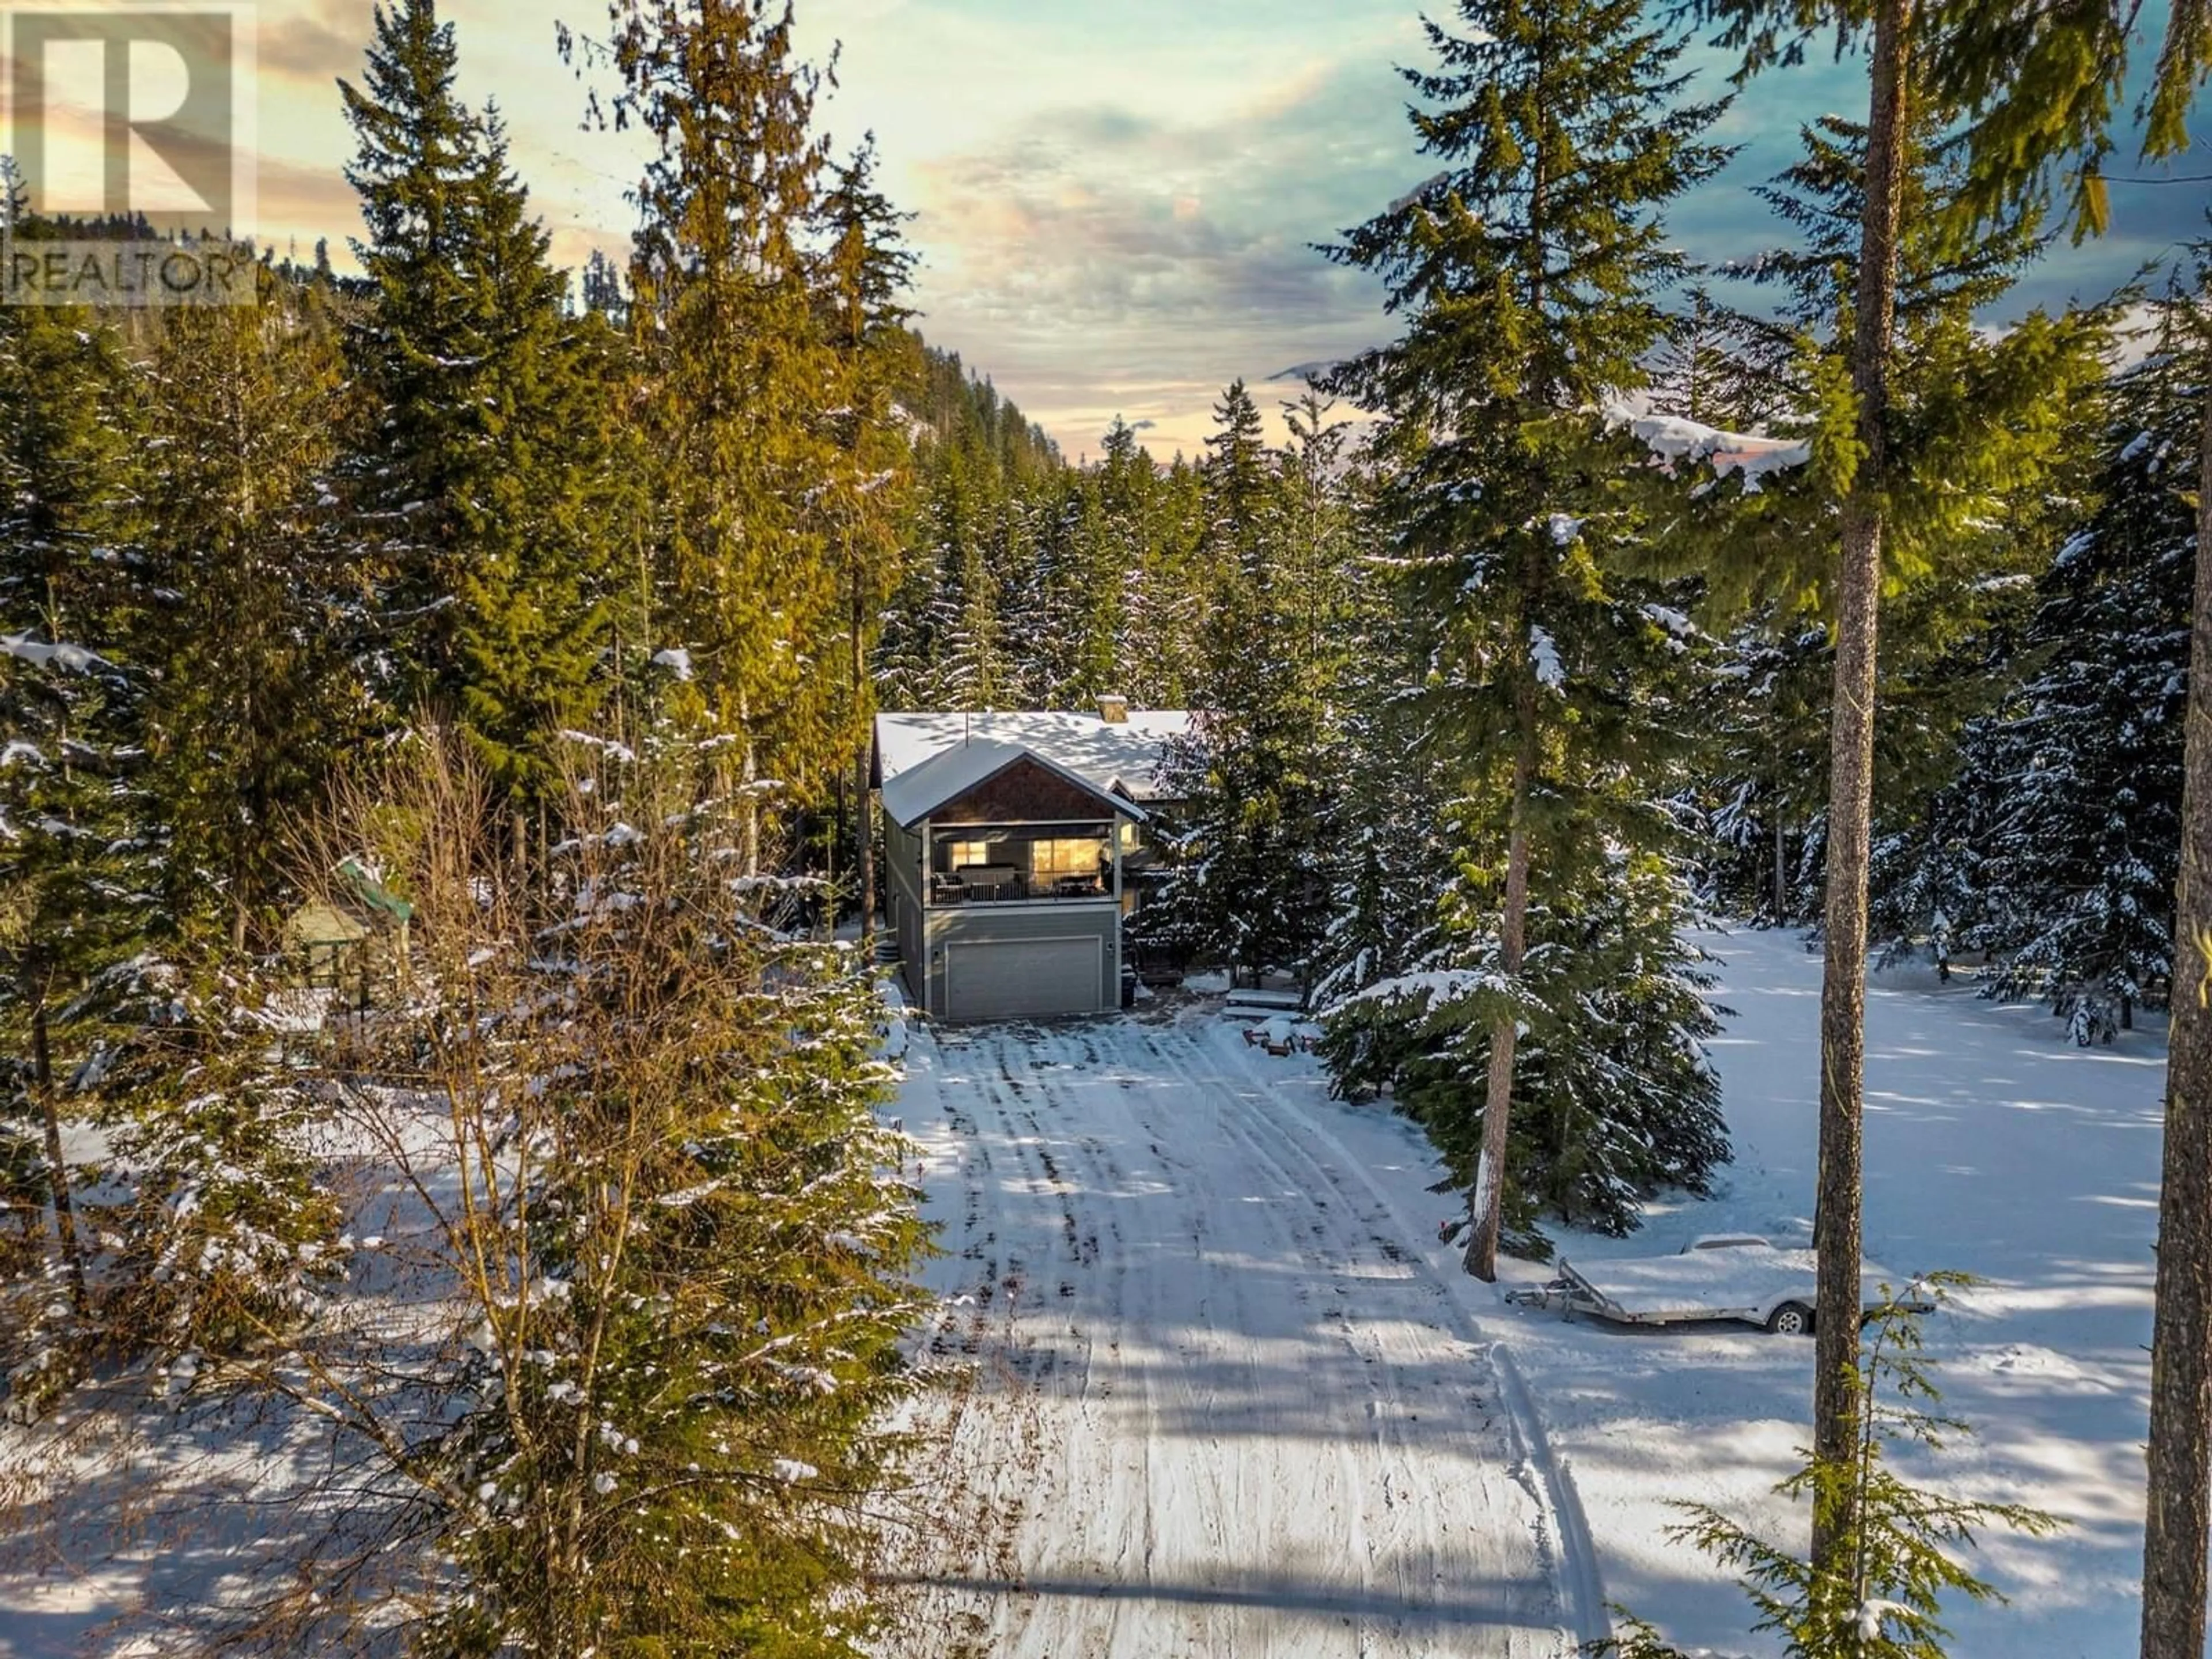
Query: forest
(540, 617)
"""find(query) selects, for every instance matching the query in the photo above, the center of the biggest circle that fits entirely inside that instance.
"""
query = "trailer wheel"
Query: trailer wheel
(1791, 1319)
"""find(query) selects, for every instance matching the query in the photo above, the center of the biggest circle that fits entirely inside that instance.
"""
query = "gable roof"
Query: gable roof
(914, 793)
(1120, 757)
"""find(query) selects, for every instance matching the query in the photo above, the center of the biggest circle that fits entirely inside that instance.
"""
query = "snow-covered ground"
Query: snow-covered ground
(1225, 1404)
(1994, 1145)
(1233, 1398)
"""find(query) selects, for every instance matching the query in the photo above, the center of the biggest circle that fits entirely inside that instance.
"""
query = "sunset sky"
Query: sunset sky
(1115, 201)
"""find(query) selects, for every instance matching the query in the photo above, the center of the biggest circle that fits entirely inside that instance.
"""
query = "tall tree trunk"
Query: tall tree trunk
(42, 1079)
(1836, 1216)
(2177, 1529)
(1781, 869)
(1487, 1199)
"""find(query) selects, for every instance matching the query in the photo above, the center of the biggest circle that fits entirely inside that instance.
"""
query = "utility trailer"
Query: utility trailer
(1725, 1276)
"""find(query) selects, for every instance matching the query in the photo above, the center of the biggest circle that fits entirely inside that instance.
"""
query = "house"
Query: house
(1011, 842)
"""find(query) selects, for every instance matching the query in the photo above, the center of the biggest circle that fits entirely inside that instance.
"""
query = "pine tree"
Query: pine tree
(1884, 1597)
(866, 276)
(745, 377)
(2178, 1531)
(1982, 431)
(1238, 480)
(1885, 514)
(1251, 856)
(487, 469)
(2070, 799)
(78, 858)
(1392, 857)
(1614, 1096)
(247, 578)
(1530, 274)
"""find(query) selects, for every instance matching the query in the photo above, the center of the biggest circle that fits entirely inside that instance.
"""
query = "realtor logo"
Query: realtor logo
(131, 133)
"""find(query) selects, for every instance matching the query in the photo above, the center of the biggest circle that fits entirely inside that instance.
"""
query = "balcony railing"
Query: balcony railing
(992, 884)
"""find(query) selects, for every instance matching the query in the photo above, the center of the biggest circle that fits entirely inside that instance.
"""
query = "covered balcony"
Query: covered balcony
(1023, 864)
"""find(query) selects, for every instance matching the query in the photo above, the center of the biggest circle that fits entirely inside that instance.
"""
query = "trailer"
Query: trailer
(1724, 1276)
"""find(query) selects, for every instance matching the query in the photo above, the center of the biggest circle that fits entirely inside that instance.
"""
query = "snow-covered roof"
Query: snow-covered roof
(926, 760)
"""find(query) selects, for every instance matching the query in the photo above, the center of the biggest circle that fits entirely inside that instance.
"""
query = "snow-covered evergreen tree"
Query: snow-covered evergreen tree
(79, 850)
(2068, 815)
(1530, 275)
(1253, 849)
(1979, 459)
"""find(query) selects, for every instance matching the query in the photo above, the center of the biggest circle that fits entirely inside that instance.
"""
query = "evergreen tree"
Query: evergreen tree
(1251, 858)
(1615, 1098)
(487, 469)
(1238, 480)
(978, 620)
(1173, 591)
(2072, 793)
(246, 625)
(866, 272)
(1968, 531)
(1393, 856)
(1530, 274)
(1885, 1597)
(79, 855)
(745, 376)
(2026, 88)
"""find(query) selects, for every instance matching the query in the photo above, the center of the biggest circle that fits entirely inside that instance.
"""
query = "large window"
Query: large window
(965, 852)
(1051, 860)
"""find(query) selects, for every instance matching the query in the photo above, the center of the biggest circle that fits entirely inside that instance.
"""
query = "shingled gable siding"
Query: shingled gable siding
(1023, 792)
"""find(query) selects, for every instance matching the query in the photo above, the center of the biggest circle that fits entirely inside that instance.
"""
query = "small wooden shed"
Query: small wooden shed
(353, 936)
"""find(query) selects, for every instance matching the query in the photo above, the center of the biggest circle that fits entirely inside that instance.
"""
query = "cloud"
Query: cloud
(317, 43)
(305, 202)
(1168, 255)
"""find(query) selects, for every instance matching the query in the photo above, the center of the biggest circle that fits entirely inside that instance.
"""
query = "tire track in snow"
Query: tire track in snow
(1188, 1059)
(1256, 1438)
(1574, 1554)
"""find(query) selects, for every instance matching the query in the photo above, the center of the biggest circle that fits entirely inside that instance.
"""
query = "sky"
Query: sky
(1115, 200)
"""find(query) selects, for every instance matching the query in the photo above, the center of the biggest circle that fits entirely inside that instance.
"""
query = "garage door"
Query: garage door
(1028, 979)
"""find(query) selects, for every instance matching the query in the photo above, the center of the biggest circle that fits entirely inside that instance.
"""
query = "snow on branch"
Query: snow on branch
(71, 659)
(1433, 988)
(1676, 439)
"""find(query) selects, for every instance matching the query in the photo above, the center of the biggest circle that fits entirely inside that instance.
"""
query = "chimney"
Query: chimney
(1114, 711)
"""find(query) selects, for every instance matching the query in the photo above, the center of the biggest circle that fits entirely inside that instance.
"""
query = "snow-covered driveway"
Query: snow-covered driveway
(1227, 1405)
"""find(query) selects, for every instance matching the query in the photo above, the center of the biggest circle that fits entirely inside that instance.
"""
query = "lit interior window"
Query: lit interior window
(1052, 859)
